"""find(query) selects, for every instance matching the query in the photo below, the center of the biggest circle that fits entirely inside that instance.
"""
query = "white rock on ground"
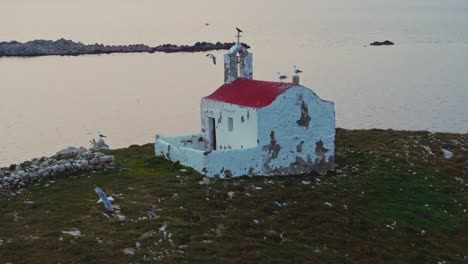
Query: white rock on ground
(73, 233)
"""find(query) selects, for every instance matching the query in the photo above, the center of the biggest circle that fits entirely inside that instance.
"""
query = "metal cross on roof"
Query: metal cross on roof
(238, 34)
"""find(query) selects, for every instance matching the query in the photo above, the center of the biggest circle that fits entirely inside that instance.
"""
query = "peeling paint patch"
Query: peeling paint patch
(220, 118)
(168, 154)
(304, 120)
(228, 174)
(273, 148)
(299, 147)
(320, 151)
(242, 119)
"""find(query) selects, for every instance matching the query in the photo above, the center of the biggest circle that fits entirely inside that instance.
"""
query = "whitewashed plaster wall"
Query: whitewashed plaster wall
(244, 133)
(173, 149)
(297, 133)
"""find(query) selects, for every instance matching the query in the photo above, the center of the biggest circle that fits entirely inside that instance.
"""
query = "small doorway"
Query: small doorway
(212, 132)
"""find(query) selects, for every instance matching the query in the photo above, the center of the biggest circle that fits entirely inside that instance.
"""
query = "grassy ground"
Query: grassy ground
(389, 200)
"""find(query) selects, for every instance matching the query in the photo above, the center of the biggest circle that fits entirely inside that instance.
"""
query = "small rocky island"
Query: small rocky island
(64, 47)
(382, 43)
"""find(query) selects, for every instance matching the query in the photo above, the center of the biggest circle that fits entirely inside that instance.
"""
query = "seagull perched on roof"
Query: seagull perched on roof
(101, 135)
(296, 70)
(282, 77)
(213, 57)
(104, 199)
(239, 30)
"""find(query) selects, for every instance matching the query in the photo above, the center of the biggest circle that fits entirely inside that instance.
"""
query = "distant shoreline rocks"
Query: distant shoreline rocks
(64, 47)
(382, 43)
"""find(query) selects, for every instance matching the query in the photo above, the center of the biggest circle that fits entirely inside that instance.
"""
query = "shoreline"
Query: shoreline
(64, 47)
(7, 165)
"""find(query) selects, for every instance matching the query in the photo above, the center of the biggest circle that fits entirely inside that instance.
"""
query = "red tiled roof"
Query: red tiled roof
(251, 93)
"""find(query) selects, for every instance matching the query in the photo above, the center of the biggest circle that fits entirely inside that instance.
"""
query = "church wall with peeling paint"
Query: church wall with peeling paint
(296, 135)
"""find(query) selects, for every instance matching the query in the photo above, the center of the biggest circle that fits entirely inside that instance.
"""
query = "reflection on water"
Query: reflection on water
(48, 103)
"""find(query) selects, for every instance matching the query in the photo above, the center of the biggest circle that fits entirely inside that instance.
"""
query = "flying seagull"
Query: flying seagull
(101, 135)
(282, 77)
(213, 57)
(104, 199)
(239, 30)
(296, 70)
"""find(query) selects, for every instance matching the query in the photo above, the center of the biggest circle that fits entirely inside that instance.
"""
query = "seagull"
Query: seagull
(104, 199)
(296, 70)
(282, 77)
(213, 57)
(101, 135)
(239, 30)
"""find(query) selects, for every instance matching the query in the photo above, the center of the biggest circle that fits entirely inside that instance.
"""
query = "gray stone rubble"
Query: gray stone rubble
(69, 160)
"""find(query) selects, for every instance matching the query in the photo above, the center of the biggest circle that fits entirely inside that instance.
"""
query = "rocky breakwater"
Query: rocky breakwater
(68, 161)
(64, 47)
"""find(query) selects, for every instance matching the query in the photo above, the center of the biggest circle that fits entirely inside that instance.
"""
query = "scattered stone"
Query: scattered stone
(328, 204)
(100, 144)
(206, 180)
(129, 251)
(69, 151)
(428, 149)
(69, 160)
(73, 233)
(305, 182)
(231, 194)
(147, 235)
(219, 230)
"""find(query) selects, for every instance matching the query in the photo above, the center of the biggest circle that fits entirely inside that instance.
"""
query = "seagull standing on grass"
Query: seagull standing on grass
(282, 77)
(213, 57)
(104, 199)
(296, 70)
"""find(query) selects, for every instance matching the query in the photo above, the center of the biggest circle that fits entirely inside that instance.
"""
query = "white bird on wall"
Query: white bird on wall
(212, 57)
(282, 77)
(296, 70)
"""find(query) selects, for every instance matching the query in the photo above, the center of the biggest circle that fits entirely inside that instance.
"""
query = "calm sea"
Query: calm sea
(49, 103)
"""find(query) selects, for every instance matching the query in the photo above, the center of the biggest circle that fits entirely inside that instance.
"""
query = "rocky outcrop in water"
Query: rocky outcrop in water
(68, 161)
(63, 47)
(382, 43)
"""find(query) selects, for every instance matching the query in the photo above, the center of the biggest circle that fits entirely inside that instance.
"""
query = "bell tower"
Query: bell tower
(237, 63)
